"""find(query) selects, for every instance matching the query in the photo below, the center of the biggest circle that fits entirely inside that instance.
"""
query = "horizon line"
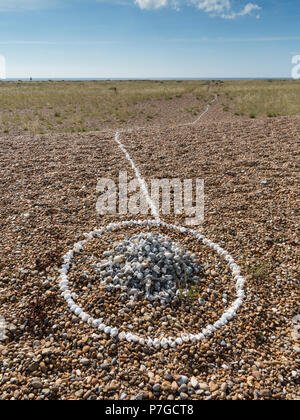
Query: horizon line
(96, 78)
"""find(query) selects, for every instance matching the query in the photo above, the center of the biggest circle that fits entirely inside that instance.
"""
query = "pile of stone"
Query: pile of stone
(149, 266)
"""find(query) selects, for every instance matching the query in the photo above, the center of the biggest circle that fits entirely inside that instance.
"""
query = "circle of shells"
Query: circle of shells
(165, 342)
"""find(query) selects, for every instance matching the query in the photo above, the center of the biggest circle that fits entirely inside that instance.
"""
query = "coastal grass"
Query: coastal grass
(263, 98)
(70, 106)
(84, 105)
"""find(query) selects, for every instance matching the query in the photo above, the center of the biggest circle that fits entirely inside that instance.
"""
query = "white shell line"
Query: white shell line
(141, 180)
(165, 342)
(204, 112)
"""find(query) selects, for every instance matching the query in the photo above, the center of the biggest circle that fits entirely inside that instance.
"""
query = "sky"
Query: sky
(148, 38)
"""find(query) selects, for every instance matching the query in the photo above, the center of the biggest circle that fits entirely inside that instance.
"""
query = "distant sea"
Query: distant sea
(68, 79)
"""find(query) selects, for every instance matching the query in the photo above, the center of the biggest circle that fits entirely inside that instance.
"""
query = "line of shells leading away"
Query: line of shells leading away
(165, 342)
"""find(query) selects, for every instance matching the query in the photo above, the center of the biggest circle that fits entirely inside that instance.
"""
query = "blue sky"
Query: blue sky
(149, 38)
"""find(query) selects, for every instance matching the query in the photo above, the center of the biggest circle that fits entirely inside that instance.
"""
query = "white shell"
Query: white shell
(122, 335)
(78, 311)
(178, 341)
(107, 330)
(114, 332)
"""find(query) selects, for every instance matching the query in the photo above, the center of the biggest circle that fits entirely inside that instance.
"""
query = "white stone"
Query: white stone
(78, 311)
(194, 383)
(114, 332)
(107, 330)
(179, 341)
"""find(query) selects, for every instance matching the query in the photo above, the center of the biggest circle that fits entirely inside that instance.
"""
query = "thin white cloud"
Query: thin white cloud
(151, 4)
(215, 8)
(212, 6)
(219, 8)
(224, 9)
(247, 10)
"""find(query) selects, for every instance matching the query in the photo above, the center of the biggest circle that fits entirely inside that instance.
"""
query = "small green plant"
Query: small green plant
(192, 293)
(258, 272)
(252, 115)
(187, 292)
(260, 336)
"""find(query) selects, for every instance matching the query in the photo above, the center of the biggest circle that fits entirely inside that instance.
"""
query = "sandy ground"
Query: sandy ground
(48, 200)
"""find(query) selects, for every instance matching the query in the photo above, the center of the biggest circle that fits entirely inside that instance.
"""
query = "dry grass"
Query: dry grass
(40, 107)
(46, 107)
(266, 98)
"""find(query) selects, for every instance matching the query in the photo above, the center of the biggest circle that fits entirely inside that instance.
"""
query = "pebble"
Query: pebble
(182, 380)
(194, 383)
(156, 388)
(37, 385)
(166, 386)
(203, 386)
(265, 393)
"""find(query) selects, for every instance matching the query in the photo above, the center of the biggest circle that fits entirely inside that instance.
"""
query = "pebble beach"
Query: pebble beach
(151, 281)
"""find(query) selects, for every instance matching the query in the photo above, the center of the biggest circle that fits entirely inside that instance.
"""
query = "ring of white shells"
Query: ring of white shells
(164, 342)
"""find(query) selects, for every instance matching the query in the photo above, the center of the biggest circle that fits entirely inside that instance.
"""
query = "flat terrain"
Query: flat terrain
(58, 107)
(48, 200)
